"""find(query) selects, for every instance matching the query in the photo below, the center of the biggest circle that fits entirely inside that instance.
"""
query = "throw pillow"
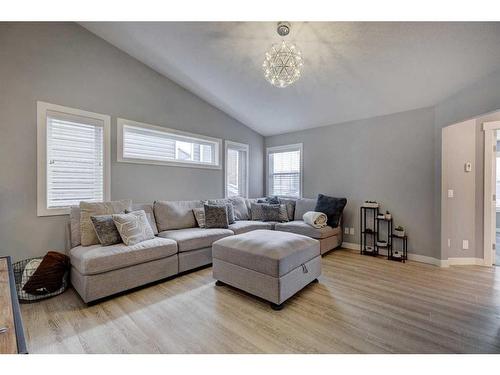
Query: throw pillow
(275, 212)
(216, 216)
(240, 208)
(271, 200)
(133, 227)
(290, 207)
(331, 207)
(105, 229)
(269, 212)
(257, 211)
(148, 209)
(199, 214)
(88, 209)
(230, 207)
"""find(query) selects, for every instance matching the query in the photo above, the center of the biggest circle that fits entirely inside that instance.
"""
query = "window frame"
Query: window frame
(121, 122)
(285, 148)
(42, 109)
(240, 147)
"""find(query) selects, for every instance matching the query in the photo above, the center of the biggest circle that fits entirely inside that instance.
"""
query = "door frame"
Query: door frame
(489, 129)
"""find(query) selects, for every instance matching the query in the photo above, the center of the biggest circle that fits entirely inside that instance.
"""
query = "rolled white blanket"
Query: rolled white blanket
(315, 219)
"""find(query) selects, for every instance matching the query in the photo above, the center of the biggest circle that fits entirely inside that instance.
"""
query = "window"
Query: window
(284, 167)
(236, 181)
(150, 144)
(73, 158)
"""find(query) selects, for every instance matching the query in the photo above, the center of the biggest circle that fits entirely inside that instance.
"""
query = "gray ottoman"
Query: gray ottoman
(268, 264)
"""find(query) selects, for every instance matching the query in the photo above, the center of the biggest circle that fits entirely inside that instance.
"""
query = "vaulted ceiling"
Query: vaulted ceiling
(352, 70)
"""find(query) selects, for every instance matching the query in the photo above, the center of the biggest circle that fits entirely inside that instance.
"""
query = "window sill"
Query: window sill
(168, 163)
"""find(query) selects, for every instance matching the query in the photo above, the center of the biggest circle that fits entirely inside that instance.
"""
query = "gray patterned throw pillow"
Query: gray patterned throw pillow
(269, 212)
(133, 227)
(105, 229)
(215, 216)
(230, 208)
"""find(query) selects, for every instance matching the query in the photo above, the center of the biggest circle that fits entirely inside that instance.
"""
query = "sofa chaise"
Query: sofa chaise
(179, 245)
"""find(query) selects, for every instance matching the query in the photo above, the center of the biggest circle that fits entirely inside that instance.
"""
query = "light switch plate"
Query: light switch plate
(465, 244)
(351, 230)
(450, 193)
(346, 230)
(449, 242)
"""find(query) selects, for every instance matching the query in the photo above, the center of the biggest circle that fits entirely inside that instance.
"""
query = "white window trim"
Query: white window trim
(243, 147)
(186, 164)
(274, 149)
(42, 108)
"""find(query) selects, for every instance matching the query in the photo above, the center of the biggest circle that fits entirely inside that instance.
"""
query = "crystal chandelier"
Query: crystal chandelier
(283, 61)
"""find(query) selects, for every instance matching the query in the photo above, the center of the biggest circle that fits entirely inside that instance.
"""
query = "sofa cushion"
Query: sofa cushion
(175, 214)
(195, 238)
(74, 223)
(268, 252)
(148, 209)
(243, 226)
(302, 206)
(91, 260)
(88, 209)
(300, 227)
(240, 208)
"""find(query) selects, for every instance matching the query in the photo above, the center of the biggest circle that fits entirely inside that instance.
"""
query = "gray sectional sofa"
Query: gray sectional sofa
(179, 245)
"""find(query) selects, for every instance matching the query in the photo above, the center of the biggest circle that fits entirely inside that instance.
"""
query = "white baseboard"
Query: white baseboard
(350, 245)
(412, 257)
(429, 260)
(464, 262)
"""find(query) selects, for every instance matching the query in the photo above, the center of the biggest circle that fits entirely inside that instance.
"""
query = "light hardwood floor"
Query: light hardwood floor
(361, 305)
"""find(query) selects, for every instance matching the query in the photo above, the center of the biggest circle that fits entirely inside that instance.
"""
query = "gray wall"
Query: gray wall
(473, 101)
(389, 159)
(457, 212)
(65, 64)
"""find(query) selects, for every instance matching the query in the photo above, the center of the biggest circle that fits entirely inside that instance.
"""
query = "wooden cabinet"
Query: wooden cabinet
(11, 327)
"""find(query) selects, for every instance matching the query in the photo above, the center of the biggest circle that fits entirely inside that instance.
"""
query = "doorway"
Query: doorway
(496, 257)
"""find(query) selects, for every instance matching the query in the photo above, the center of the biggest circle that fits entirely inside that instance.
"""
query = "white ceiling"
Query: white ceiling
(351, 70)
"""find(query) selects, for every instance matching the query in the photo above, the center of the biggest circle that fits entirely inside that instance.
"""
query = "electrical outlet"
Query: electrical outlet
(346, 230)
(465, 244)
(351, 230)
(451, 193)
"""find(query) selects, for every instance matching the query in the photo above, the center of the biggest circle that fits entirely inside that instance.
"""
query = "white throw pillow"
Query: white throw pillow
(133, 227)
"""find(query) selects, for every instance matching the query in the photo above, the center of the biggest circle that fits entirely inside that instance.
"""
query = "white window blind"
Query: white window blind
(73, 158)
(285, 171)
(236, 169)
(150, 144)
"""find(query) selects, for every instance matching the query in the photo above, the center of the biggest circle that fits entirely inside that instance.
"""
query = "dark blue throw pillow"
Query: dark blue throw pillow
(270, 200)
(331, 207)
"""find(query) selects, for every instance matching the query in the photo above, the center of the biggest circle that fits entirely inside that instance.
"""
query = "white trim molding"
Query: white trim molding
(121, 122)
(42, 109)
(240, 147)
(489, 220)
(289, 147)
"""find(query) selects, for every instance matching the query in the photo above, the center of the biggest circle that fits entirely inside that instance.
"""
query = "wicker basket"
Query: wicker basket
(24, 297)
